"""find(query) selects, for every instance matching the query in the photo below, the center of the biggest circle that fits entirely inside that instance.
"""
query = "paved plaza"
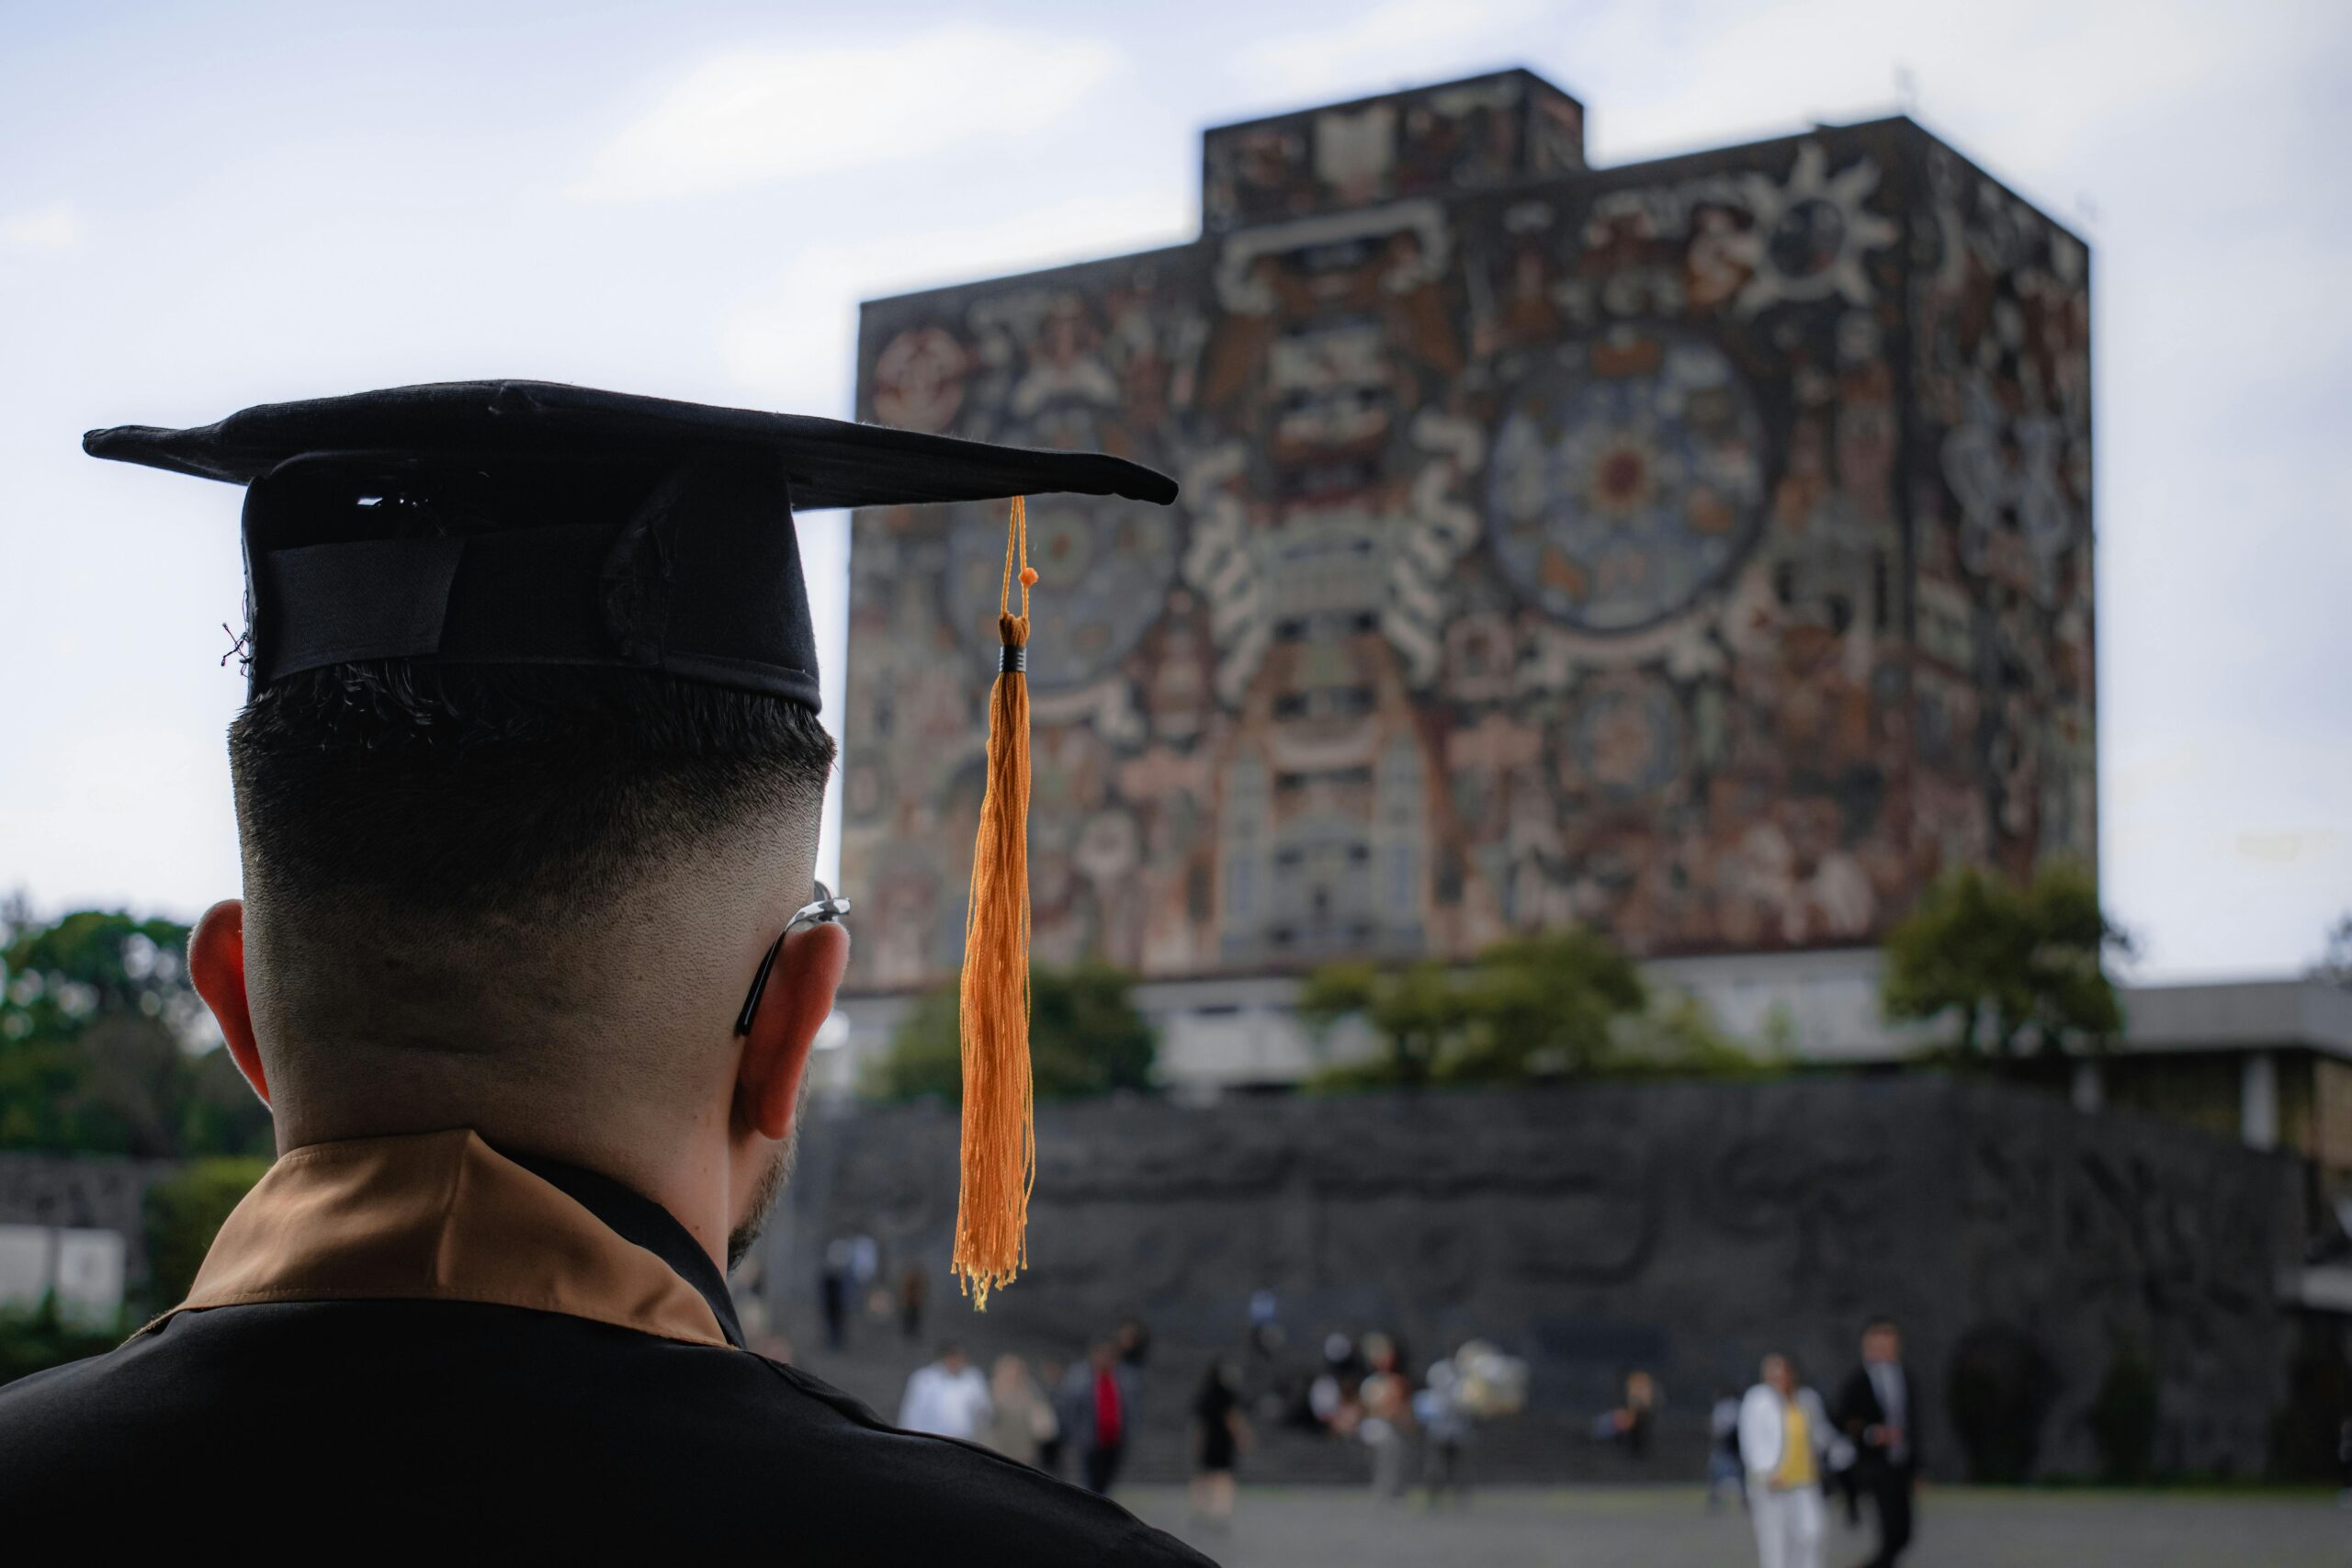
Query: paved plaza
(1669, 1526)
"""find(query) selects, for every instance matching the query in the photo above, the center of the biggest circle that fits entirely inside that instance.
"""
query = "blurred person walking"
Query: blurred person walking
(1097, 1407)
(1783, 1431)
(1331, 1398)
(1387, 1402)
(947, 1399)
(911, 1294)
(833, 1289)
(1631, 1423)
(1445, 1434)
(1220, 1433)
(1020, 1422)
(865, 1263)
(1265, 1324)
(1878, 1410)
(1724, 1472)
(1056, 1442)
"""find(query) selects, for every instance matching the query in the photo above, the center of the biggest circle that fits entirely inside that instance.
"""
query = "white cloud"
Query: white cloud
(2042, 80)
(2232, 858)
(754, 115)
(2288, 846)
(56, 227)
(1422, 38)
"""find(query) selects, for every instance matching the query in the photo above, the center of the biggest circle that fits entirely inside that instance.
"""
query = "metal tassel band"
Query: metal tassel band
(1013, 661)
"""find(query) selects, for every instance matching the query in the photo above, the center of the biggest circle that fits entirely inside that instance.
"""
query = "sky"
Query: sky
(206, 206)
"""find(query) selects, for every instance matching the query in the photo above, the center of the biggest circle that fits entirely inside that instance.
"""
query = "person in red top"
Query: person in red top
(1107, 1434)
(1098, 1404)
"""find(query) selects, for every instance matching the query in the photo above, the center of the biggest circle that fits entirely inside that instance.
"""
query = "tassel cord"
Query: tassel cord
(999, 1158)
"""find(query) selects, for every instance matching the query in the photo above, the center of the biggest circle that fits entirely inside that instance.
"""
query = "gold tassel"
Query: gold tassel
(999, 1117)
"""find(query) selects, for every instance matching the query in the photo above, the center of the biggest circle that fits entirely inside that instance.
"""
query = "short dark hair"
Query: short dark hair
(1881, 1321)
(518, 791)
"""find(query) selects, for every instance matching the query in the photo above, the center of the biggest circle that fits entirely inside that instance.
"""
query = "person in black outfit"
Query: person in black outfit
(832, 1293)
(527, 786)
(1877, 1408)
(911, 1294)
(1219, 1430)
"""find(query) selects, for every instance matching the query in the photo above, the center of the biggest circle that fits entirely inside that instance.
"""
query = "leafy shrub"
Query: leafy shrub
(2123, 1419)
(35, 1339)
(183, 1213)
(1086, 1038)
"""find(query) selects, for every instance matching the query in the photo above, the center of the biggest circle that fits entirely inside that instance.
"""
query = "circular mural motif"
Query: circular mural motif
(1628, 477)
(919, 380)
(1808, 239)
(1104, 567)
(1627, 741)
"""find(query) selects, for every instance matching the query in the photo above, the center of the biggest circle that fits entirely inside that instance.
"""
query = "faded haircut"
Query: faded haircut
(523, 797)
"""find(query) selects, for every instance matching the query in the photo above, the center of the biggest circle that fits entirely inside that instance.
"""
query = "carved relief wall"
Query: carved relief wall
(1684, 1229)
(1700, 548)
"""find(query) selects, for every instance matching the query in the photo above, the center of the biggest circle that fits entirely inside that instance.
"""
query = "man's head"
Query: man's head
(1779, 1374)
(517, 829)
(1882, 1341)
(951, 1357)
(529, 901)
(1104, 1354)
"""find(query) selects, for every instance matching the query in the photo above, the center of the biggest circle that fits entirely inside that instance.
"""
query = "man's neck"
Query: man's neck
(657, 1164)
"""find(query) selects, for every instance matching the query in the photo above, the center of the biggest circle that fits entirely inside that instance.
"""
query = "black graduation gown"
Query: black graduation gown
(343, 1398)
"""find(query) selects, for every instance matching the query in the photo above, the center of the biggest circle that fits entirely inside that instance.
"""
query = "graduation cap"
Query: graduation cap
(529, 523)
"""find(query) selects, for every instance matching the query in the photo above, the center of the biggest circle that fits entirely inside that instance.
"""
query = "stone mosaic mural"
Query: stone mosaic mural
(1700, 548)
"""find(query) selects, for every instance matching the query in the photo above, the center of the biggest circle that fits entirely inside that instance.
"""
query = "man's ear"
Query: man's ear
(798, 999)
(216, 962)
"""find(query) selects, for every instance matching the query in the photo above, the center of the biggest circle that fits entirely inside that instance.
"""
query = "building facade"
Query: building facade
(1699, 548)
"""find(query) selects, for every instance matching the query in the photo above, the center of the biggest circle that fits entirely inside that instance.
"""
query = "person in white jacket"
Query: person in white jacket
(1784, 1434)
(948, 1398)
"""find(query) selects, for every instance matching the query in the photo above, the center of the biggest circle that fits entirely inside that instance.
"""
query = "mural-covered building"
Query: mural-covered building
(1699, 548)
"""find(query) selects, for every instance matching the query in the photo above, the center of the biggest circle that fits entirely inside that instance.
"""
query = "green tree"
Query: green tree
(1085, 1038)
(2019, 969)
(1676, 1036)
(101, 1044)
(2334, 966)
(1417, 1011)
(1564, 1004)
(1545, 1005)
(925, 1057)
(35, 1339)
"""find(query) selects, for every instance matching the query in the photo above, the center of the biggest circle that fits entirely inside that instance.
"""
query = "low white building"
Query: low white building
(2268, 1059)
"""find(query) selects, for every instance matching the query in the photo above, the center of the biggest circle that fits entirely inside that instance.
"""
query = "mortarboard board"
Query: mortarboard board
(530, 522)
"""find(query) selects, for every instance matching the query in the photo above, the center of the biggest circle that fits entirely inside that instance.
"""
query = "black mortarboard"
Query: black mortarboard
(526, 522)
(529, 523)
